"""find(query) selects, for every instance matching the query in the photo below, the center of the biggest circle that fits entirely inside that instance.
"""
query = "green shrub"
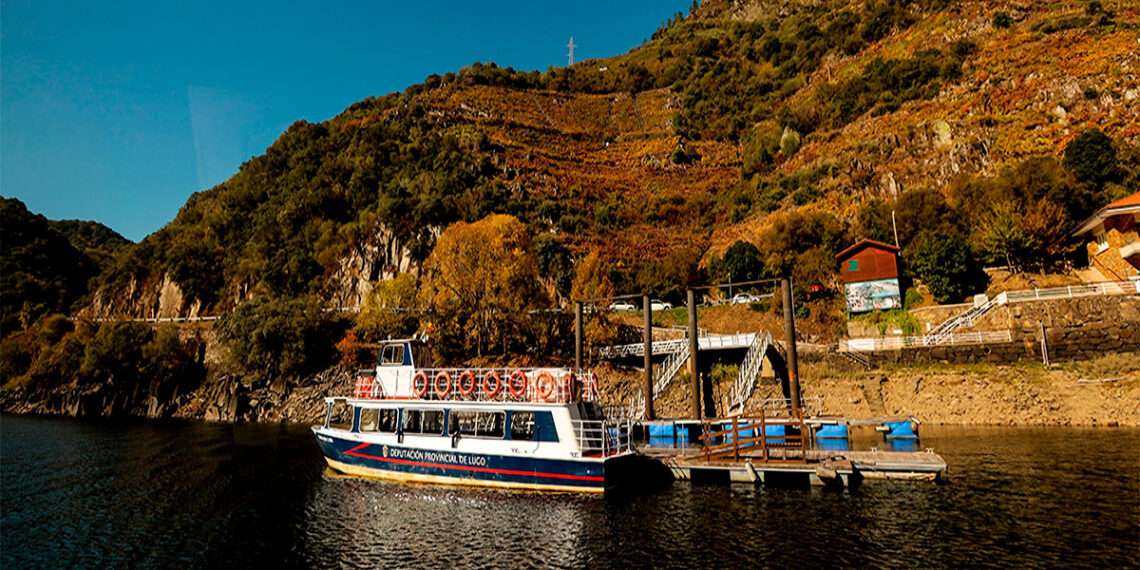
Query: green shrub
(947, 266)
(1091, 157)
(268, 337)
(913, 299)
(1002, 20)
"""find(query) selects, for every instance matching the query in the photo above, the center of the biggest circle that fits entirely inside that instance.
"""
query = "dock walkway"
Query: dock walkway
(817, 467)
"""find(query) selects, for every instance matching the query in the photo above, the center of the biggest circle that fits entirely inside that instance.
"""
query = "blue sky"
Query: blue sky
(118, 111)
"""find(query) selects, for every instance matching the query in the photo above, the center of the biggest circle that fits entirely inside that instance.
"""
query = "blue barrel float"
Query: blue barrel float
(775, 432)
(833, 437)
(903, 429)
(669, 435)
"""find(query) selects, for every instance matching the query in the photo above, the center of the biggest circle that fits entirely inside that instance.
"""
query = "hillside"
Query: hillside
(45, 265)
(658, 158)
(93, 239)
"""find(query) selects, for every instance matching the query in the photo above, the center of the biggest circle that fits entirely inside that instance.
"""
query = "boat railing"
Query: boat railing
(601, 438)
(543, 385)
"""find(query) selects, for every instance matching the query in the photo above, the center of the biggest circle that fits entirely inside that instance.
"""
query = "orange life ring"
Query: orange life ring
(442, 392)
(516, 384)
(488, 391)
(420, 384)
(546, 386)
(573, 389)
(466, 383)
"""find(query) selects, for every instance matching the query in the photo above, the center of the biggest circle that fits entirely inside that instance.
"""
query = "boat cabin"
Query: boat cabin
(403, 371)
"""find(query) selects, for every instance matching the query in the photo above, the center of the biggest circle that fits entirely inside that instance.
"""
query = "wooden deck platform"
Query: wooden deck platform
(819, 467)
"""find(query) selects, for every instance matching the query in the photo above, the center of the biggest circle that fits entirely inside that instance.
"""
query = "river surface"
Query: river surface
(96, 494)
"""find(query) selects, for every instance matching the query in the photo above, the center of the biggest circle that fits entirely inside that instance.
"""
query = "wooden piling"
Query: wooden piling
(577, 336)
(790, 336)
(694, 346)
(648, 337)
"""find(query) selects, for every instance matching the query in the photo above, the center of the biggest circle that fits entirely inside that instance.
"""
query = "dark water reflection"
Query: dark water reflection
(147, 494)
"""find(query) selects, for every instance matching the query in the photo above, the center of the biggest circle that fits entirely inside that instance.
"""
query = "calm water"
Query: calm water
(147, 494)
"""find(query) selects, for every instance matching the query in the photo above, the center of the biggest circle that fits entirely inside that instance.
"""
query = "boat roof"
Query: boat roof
(437, 404)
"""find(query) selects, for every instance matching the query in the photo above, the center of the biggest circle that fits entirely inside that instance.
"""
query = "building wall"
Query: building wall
(1109, 262)
(871, 264)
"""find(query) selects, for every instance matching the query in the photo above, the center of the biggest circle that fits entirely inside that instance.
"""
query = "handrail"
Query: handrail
(705, 342)
(602, 437)
(899, 342)
(971, 316)
(715, 444)
(750, 369)
(669, 370)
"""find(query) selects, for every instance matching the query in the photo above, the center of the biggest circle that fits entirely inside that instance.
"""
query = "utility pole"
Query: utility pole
(895, 227)
(648, 337)
(570, 55)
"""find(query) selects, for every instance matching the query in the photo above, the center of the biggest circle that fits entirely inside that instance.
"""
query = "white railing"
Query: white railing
(715, 341)
(971, 316)
(564, 385)
(669, 370)
(1071, 291)
(604, 438)
(705, 341)
(898, 342)
(638, 349)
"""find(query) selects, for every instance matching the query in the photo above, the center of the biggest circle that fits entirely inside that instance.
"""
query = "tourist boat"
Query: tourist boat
(538, 428)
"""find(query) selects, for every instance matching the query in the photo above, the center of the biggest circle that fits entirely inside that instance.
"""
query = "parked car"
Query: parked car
(659, 305)
(745, 298)
(622, 306)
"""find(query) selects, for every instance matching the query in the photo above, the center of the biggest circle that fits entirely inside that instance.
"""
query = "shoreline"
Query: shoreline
(1024, 394)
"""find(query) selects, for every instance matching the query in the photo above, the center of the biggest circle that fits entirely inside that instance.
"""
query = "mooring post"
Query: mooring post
(790, 335)
(648, 337)
(577, 336)
(694, 370)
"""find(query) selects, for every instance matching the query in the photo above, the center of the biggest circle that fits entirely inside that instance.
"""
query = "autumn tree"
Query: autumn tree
(480, 283)
(592, 279)
(390, 309)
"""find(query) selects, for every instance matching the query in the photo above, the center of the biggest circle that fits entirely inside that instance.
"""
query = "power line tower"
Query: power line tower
(570, 55)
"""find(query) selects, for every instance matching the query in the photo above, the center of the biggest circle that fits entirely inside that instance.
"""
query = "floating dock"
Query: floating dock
(780, 452)
(818, 468)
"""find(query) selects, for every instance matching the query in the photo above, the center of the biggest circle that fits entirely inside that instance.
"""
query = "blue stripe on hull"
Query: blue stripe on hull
(458, 465)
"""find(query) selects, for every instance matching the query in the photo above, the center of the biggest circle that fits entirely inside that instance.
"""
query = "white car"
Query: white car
(745, 298)
(622, 306)
(659, 305)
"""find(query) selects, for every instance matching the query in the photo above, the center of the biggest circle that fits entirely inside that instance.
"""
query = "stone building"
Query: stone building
(1113, 244)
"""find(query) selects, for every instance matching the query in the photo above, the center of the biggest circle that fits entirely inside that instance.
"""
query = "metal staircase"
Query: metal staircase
(750, 369)
(942, 332)
(669, 369)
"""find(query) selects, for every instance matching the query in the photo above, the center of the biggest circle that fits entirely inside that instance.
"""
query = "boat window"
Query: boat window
(341, 415)
(368, 419)
(387, 420)
(423, 421)
(393, 355)
(522, 425)
(478, 424)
